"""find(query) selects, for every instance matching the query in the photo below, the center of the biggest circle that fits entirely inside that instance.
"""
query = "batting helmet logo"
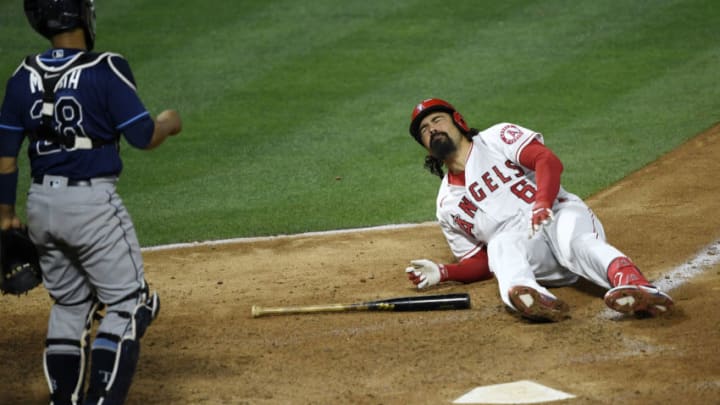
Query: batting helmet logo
(430, 105)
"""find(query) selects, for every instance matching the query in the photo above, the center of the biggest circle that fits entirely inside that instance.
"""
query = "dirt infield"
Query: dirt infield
(206, 349)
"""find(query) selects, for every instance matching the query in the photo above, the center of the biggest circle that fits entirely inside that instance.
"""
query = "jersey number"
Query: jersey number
(68, 122)
(524, 191)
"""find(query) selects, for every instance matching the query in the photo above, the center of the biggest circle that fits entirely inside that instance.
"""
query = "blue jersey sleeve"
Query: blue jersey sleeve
(139, 132)
(11, 126)
(128, 112)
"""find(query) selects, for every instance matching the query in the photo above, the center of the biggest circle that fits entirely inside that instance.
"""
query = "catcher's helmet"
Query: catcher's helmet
(51, 17)
(432, 105)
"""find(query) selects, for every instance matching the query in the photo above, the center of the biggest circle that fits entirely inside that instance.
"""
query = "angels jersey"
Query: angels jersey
(495, 192)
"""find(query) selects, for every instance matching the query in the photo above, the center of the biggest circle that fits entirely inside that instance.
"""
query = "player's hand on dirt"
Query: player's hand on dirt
(424, 273)
(541, 216)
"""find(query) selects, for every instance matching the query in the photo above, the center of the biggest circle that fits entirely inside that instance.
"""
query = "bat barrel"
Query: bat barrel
(426, 303)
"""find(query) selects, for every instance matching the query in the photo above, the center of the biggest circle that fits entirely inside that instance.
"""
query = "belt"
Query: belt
(69, 182)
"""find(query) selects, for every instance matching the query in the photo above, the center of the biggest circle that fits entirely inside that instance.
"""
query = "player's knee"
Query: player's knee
(505, 244)
(70, 321)
(585, 246)
(131, 317)
(146, 311)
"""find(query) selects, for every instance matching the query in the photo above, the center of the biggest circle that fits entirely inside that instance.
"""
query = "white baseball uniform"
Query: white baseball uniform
(491, 203)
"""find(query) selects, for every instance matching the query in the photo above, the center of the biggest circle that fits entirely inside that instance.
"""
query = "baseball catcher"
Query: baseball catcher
(74, 105)
(20, 266)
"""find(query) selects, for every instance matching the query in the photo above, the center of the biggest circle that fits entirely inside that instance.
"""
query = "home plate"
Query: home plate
(518, 392)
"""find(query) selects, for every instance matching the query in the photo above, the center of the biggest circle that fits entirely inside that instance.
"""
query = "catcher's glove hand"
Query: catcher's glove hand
(20, 271)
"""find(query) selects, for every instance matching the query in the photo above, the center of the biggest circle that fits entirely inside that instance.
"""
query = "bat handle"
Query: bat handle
(258, 311)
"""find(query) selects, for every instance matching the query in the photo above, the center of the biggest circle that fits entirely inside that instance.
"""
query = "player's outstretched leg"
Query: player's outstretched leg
(632, 293)
(534, 305)
(114, 357)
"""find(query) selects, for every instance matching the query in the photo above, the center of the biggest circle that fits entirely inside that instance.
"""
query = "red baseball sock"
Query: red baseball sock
(622, 271)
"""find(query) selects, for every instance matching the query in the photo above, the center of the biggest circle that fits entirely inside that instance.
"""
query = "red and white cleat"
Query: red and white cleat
(536, 306)
(638, 299)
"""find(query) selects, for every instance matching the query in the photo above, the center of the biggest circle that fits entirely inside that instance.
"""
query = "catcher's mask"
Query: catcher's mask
(430, 105)
(52, 17)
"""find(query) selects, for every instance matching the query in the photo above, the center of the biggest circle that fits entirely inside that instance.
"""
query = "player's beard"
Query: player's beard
(441, 146)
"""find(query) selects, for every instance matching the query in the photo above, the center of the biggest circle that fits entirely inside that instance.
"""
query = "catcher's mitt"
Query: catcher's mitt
(20, 265)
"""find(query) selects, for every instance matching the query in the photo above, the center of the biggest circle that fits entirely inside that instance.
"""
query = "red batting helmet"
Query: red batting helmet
(432, 105)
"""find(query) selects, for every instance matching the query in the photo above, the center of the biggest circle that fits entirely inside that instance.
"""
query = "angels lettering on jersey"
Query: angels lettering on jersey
(494, 193)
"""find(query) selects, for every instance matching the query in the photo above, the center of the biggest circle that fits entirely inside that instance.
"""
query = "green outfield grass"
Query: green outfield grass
(296, 112)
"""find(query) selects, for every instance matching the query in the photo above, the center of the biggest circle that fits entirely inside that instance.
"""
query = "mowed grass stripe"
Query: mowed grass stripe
(296, 113)
(288, 188)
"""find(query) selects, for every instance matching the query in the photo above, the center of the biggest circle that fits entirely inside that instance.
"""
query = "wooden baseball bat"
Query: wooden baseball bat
(415, 303)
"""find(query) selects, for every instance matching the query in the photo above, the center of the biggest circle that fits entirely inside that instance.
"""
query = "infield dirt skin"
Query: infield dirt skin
(205, 348)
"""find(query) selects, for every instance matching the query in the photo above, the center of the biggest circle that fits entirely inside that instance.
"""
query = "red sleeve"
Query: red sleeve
(547, 167)
(474, 268)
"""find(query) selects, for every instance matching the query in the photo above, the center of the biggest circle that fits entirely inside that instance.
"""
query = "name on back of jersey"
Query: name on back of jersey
(70, 81)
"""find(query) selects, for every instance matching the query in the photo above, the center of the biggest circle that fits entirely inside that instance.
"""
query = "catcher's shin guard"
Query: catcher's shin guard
(115, 358)
(113, 365)
(64, 373)
(65, 362)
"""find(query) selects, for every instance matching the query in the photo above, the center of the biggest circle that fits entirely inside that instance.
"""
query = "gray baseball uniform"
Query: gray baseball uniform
(74, 106)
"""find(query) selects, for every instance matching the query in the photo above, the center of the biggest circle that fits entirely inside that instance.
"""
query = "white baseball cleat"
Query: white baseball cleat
(533, 305)
(641, 300)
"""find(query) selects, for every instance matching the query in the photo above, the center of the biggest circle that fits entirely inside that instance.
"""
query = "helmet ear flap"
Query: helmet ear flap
(460, 121)
(87, 17)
